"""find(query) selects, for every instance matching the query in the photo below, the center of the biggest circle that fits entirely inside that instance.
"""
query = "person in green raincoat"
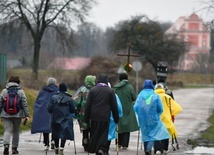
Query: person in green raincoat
(128, 122)
(80, 100)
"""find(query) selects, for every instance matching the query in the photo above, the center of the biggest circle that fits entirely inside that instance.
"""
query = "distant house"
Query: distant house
(193, 31)
(13, 63)
(77, 63)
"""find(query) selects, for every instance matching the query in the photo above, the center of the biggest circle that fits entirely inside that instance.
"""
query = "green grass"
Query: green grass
(208, 134)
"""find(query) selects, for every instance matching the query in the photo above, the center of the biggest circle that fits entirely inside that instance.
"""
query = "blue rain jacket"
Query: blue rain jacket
(112, 126)
(148, 108)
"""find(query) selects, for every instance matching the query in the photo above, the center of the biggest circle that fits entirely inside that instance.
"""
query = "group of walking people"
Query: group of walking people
(104, 113)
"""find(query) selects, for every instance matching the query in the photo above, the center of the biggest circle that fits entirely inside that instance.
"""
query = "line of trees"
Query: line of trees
(44, 29)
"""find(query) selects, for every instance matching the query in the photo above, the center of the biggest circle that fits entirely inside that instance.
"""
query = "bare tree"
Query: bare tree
(38, 15)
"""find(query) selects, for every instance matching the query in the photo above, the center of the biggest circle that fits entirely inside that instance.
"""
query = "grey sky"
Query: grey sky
(108, 12)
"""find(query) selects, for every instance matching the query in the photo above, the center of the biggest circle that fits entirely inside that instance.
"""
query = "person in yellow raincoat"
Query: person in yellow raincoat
(170, 108)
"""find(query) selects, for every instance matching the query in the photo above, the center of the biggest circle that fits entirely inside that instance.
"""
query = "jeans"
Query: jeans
(148, 145)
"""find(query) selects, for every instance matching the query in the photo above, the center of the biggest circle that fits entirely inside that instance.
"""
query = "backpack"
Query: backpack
(12, 101)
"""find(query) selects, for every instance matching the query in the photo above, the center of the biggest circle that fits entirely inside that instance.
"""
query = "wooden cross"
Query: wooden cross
(129, 54)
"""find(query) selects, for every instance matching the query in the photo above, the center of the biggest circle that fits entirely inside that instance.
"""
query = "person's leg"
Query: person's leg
(56, 141)
(46, 139)
(125, 142)
(145, 146)
(148, 147)
(52, 141)
(62, 145)
(158, 146)
(108, 146)
(120, 139)
(165, 144)
(15, 139)
(85, 139)
(7, 133)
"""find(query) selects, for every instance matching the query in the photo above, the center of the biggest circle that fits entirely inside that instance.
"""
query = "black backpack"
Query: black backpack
(12, 103)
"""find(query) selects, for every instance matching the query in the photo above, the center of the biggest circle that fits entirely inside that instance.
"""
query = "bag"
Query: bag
(12, 101)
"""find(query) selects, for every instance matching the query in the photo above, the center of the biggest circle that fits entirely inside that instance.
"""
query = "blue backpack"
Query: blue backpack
(12, 101)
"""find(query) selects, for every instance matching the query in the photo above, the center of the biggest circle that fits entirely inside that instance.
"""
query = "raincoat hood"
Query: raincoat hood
(160, 91)
(50, 88)
(12, 84)
(121, 83)
(148, 84)
(63, 98)
(89, 81)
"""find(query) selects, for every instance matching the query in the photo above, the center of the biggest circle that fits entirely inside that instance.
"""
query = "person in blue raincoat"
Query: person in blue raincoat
(148, 108)
(61, 107)
(41, 113)
(112, 133)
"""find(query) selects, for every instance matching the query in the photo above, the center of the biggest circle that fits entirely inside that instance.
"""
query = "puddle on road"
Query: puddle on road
(202, 150)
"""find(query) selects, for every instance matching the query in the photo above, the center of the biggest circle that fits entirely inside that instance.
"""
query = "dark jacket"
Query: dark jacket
(61, 106)
(100, 102)
(40, 110)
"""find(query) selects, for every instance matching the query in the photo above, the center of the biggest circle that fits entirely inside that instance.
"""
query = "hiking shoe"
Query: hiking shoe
(52, 145)
(15, 151)
(100, 152)
(148, 152)
(165, 151)
(61, 152)
(158, 152)
(57, 151)
(46, 148)
(6, 149)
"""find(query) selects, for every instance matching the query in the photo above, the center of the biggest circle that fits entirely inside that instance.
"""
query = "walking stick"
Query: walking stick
(138, 137)
(75, 151)
(117, 142)
(40, 137)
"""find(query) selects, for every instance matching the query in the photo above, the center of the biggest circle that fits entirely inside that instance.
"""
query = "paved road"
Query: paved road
(197, 106)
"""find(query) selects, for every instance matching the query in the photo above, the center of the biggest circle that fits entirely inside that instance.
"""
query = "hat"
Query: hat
(123, 76)
(62, 87)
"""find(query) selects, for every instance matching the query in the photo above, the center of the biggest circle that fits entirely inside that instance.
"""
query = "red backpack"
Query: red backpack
(12, 101)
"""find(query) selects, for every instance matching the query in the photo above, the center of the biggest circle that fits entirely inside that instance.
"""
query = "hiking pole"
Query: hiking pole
(40, 137)
(176, 141)
(117, 142)
(141, 145)
(75, 151)
(138, 137)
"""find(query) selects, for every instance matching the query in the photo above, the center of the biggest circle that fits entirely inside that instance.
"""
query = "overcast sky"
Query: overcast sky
(108, 12)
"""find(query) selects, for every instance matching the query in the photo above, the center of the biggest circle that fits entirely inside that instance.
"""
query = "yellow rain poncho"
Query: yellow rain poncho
(170, 108)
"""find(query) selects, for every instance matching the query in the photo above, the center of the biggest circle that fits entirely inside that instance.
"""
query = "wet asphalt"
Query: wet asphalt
(197, 105)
